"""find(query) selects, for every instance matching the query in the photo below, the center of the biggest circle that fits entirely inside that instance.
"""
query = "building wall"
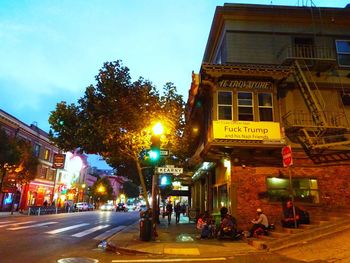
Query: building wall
(41, 188)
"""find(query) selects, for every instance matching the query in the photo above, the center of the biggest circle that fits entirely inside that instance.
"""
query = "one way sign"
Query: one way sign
(169, 170)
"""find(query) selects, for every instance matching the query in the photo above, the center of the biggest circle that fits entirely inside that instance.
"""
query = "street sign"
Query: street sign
(169, 170)
(287, 156)
(164, 152)
(58, 161)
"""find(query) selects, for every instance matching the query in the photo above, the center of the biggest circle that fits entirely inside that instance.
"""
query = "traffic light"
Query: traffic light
(154, 153)
(165, 180)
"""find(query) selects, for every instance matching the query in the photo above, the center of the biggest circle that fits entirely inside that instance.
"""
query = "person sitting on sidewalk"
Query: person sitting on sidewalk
(289, 221)
(228, 225)
(205, 224)
(260, 225)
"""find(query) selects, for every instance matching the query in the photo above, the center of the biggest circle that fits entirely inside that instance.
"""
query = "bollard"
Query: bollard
(56, 210)
(39, 211)
(28, 210)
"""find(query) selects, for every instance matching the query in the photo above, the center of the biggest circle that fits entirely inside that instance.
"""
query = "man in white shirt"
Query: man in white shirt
(260, 222)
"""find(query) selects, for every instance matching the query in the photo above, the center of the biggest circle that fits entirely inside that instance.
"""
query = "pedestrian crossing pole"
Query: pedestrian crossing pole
(154, 205)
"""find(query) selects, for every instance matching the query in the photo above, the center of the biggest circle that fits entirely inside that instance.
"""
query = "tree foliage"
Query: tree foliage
(115, 116)
(17, 159)
(131, 190)
(102, 190)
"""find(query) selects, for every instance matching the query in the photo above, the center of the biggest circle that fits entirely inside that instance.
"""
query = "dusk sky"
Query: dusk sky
(51, 50)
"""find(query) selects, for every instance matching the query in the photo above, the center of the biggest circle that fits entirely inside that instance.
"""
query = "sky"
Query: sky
(51, 50)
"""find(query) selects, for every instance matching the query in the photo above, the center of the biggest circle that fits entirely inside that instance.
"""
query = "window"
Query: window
(343, 52)
(47, 155)
(245, 106)
(37, 150)
(225, 105)
(43, 172)
(265, 106)
(305, 189)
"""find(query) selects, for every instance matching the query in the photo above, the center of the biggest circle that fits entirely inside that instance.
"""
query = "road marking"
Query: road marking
(182, 251)
(169, 260)
(108, 233)
(35, 225)
(59, 230)
(5, 222)
(15, 224)
(89, 231)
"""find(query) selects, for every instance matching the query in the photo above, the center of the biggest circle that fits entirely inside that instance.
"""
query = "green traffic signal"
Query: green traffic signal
(154, 154)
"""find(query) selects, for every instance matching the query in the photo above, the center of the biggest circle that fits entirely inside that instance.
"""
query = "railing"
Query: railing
(45, 210)
(304, 119)
(307, 52)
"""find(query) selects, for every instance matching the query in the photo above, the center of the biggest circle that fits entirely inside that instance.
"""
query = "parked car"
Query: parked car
(107, 207)
(121, 207)
(91, 207)
(82, 206)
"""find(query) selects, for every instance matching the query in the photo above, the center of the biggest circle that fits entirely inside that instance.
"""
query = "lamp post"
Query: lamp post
(158, 130)
(82, 192)
(101, 189)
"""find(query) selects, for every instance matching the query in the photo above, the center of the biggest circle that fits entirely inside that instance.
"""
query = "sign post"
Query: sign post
(288, 162)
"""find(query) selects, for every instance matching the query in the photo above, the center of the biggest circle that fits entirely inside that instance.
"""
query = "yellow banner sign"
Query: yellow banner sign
(247, 130)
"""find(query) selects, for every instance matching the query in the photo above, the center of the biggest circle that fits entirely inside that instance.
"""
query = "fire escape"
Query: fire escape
(317, 129)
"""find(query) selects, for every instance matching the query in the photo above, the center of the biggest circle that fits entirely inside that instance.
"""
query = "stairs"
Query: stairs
(328, 223)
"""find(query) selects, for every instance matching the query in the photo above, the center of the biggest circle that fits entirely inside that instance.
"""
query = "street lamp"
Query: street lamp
(158, 130)
(101, 189)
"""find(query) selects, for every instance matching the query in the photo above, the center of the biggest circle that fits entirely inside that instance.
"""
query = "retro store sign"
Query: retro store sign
(247, 130)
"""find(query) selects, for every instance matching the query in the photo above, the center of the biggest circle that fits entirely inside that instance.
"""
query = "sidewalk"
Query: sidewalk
(178, 239)
(8, 214)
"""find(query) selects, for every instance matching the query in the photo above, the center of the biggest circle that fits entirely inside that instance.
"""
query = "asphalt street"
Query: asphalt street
(47, 238)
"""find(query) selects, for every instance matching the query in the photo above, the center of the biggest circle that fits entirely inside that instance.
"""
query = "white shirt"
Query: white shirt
(261, 220)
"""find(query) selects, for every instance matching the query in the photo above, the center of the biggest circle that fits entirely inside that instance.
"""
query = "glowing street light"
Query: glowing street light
(101, 189)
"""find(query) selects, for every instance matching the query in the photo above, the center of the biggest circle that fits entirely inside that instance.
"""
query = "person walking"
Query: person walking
(169, 210)
(177, 210)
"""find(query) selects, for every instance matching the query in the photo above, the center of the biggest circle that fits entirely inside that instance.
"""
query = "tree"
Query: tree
(18, 164)
(131, 190)
(102, 190)
(114, 117)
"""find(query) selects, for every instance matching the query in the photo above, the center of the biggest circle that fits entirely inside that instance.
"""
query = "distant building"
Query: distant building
(116, 181)
(272, 76)
(42, 188)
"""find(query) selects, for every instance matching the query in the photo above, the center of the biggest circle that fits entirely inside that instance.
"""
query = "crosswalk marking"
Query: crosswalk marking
(89, 231)
(5, 222)
(15, 224)
(108, 233)
(35, 225)
(59, 230)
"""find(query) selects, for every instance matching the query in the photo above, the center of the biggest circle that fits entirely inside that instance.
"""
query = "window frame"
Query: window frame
(312, 198)
(245, 106)
(266, 107)
(37, 150)
(224, 105)
(340, 52)
(47, 154)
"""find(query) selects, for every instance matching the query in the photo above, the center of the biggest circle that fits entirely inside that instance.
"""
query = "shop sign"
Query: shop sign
(58, 161)
(247, 130)
(246, 84)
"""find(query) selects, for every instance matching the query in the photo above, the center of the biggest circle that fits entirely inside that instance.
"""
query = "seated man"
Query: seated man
(228, 225)
(301, 217)
(260, 223)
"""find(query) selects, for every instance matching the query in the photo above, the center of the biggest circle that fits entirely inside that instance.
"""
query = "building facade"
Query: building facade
(271, 77)
(42, 188)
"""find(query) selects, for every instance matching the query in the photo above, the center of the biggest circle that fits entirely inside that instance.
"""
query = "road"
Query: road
(47, 238)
